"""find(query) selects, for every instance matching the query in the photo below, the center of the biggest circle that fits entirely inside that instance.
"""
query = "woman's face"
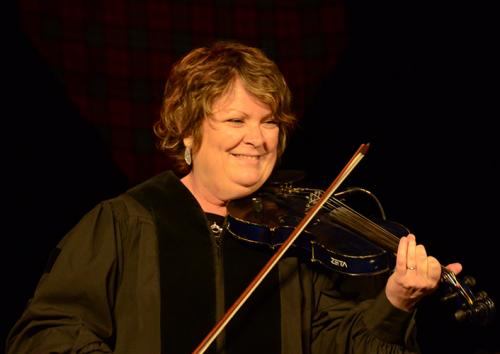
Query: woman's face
(238, 148)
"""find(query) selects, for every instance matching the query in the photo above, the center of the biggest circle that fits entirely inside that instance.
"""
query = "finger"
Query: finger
(411, 262)
(434, 269)
(421, 260)
(401, 255)
(454, 267)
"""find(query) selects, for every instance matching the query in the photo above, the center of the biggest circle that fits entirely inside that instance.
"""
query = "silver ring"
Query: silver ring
(410, 268)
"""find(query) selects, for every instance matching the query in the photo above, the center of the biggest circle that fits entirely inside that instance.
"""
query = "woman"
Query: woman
(152, 270)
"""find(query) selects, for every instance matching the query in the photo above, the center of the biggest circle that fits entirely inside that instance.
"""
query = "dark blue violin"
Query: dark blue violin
(339, 238)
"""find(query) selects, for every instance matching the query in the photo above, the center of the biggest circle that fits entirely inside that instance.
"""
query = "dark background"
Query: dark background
(83, 83)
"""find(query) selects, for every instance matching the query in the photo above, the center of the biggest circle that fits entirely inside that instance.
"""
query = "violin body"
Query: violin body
(267, 219)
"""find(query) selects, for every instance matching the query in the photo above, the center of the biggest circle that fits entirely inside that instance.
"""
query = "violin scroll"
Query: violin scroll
(477, 308)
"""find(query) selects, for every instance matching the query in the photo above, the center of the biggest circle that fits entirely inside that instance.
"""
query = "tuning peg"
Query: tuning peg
(449, 296)
(470, 281)
(482, 311)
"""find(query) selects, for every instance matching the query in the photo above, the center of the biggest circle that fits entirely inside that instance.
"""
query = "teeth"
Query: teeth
(246, 156)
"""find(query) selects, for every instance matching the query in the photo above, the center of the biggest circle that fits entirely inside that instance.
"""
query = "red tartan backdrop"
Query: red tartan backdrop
(113, 57)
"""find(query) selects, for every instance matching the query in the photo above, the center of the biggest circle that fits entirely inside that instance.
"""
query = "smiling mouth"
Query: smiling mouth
(249, 157)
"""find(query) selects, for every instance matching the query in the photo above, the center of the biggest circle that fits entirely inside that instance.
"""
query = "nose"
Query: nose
(254, 135)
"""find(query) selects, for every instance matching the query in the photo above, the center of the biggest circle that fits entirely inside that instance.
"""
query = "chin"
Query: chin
(252, 181)
(241, 190)
(249, 181)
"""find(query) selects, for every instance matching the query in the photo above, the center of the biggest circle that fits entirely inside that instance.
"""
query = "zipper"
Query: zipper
(217, 236)
(217, 233)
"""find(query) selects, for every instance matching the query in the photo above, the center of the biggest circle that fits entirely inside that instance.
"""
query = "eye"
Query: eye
(271, 123)
(235, 121)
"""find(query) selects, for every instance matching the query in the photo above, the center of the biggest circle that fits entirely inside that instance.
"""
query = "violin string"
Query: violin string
(364, 226)
(352, 219)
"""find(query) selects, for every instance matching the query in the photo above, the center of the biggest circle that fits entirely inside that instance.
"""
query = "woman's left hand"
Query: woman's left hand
(415, 276)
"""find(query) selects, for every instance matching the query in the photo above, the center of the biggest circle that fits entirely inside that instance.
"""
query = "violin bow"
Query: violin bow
(221, 324)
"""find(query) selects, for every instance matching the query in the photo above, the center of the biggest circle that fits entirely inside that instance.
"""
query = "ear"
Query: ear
(188, 141)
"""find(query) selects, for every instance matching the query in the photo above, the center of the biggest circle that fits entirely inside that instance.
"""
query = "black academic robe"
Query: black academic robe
(142, 273)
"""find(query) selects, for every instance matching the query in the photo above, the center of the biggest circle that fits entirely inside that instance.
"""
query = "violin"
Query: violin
(340, 239)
